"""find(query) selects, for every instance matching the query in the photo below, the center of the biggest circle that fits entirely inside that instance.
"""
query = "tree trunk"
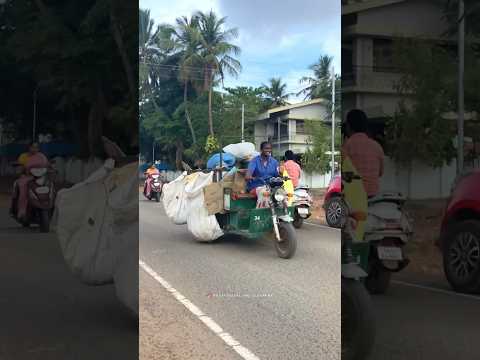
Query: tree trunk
(210, 118)
(179, 154)
(123, 54)
(95, 124)
(187, 116)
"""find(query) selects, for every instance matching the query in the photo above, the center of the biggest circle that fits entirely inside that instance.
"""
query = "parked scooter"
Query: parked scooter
(358, 325)
(302, 202)
(41, 199)
(388, 230)
(156, 185)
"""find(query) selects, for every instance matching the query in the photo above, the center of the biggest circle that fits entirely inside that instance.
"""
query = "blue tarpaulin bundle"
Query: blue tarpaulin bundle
(49, 149)
(227, 159)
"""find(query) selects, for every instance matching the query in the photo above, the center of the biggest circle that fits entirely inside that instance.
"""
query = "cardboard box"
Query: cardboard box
(213, 194)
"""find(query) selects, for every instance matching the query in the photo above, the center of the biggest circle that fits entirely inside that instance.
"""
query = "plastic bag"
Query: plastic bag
(241, 151)
(227, 159)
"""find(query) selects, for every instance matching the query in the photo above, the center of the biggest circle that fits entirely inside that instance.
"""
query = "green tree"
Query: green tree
(218, 53)
(316, 158)
(419, 130)
(319, 86)
(276, 93)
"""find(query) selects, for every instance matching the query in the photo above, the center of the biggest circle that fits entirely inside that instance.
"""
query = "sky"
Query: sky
(277, 38)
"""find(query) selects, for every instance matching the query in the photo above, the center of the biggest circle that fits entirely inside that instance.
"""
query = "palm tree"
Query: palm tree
(189, 38)
(320, 85)
(216, 52)
(275, 92)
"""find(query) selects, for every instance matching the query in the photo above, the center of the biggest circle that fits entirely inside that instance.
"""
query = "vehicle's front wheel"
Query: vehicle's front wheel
(358, 327)
(335, 212)
(297, 221)
(44, 221)
(378, 280)
(461, 256)
(288, 246)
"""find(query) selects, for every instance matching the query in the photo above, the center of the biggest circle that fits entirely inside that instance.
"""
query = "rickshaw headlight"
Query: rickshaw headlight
(280, 195)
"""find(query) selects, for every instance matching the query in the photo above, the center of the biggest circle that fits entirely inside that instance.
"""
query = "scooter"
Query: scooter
(358, 324)
(41, 199)
(156, 185)
(302, 202)
(388, 230)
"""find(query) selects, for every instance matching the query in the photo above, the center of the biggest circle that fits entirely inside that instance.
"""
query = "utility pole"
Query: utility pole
(243, 121)
(153, 152)
(34, 125)
(333, 121)
(278, 135)
(461, 74)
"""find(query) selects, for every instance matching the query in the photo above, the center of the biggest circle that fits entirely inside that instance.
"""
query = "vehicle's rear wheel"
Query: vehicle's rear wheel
(335, 212)
(461, 256)
(286, 248)
(157, 197)
(358, 327)
(44, 221)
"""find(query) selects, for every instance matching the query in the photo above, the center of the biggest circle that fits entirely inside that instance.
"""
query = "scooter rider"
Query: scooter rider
(366, 154)
(32, 158)
(152, 170)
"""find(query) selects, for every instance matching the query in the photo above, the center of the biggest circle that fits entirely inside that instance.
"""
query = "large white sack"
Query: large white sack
(59, 165)
(241, 151)
(83, 224)
(203, 226)
(74, 171)
(174, 200)
(123, 202)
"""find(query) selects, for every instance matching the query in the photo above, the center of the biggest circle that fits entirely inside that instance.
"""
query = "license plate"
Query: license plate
(389, 253)
(303, 211)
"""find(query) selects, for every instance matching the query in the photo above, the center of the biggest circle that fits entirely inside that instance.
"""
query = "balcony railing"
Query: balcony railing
(370, 78)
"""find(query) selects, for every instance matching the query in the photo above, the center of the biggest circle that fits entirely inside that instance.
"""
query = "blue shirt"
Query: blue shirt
(256, 168)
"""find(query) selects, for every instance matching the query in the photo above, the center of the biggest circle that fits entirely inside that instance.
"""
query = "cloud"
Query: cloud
(277, 38)
(166, 11)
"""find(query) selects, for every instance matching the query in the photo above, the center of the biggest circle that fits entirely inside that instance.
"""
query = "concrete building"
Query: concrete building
(289, 122)
(368, 32)
(369, 29)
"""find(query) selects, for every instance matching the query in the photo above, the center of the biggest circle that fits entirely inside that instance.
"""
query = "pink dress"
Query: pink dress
(37, 160)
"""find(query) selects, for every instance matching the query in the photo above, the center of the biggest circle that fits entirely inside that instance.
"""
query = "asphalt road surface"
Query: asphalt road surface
(275, 308)
(47, 314)
(421, 319)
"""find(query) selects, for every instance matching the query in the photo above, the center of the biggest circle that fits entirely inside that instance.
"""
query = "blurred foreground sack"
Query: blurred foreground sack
(96, 222)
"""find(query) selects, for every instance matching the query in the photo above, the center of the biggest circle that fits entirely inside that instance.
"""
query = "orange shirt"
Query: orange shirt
(367, 157)
(293, 170)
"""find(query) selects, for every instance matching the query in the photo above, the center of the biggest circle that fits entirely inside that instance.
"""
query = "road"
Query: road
(277, 309)
(421, 319)
(45, 313)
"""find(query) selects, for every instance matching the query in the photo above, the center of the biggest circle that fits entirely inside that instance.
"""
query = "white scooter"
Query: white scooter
(388, 229)
(302, 202)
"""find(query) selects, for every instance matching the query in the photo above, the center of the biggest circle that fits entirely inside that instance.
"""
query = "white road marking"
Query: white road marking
(320, 226)
(441, 291)
(209, 322)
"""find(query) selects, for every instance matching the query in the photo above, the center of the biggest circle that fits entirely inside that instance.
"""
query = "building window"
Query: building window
(300, 127)
(283, 131)
(383, 55)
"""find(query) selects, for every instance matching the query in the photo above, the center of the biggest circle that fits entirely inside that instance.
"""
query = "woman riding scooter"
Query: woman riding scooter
(31, 159)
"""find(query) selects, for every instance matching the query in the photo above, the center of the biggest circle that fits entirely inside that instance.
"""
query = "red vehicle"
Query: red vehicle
(333, 204)
(459, 239)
